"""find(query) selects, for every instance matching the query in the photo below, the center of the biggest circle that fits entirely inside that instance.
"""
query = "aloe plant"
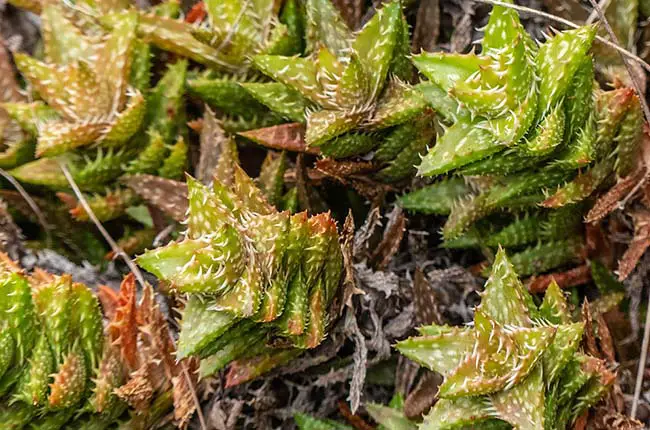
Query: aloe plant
(61, 367)
(257, 283)
(518, 366)
(349, 92)
(94, 111)
(526, 126)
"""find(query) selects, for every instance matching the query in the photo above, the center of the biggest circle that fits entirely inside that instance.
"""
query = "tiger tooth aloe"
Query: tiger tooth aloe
(508, 366)
(98, 114)
(57, 369)
(349, 93)
(250, 274)
(532, 122)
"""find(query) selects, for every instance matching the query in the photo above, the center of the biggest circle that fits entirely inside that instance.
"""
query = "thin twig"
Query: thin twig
(602, 4)
(111, 242)
(32, 204)
(133, 268)
(568, 23)
(157, 241)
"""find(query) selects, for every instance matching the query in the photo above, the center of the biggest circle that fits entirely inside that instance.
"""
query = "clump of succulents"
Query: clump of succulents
(94, 111)
(529, 135)
(519, 365)
(347, 97)
(258, 283)
(57, 370)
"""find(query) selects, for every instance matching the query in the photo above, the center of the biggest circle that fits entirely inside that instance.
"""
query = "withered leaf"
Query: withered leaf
(351, 11)
(392, 239)
(427, 26)
(343, 168)
(424, 300)
(138, 391)
(638, 245)
(423, 396)
(184, 404)
(123, 328)
(289, 137)
(165, 194)
(611, 200)
(576, 276)
(589, 338)
(214, 142)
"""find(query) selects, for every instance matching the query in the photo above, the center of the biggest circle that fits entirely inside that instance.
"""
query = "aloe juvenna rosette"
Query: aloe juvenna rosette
(52, 351)
(93, 111)
(526, 127)
(257, 283)
(518, 366)
(60, 368)
(348, 95)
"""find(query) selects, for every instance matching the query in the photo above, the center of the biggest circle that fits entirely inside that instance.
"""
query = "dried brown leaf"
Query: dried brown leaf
(214, 142)
(165, 194)
(109, 299)
(424, 300)
(354, 420)
(423, 396)
(577, 276)
(351, 11)
(289, 137)
(605, 340)
(462, 36)
(184, 404)
(606, 419)
(637, 247)
(427, 26)
(343, 168)
(371, 190)
(123, 328)
(349, 290)
(567, 9)
(589, 339)
(156, 344)
(611, 200)
(393, 235)
(138, 392)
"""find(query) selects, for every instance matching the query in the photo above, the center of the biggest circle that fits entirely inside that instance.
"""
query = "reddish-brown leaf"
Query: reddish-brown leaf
(611, 200)
(577, 276)
(184, 402)
(123, 328)
(289, 137)
(156, 342)
(109, 299)
(138, 392)
(589, 339)
(353, 419)
(605, 340)
(197, 13)
(423, 396)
